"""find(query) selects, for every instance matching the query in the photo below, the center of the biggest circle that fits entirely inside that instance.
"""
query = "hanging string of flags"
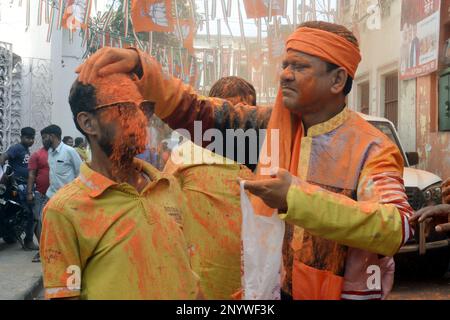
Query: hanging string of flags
(144, 19)
(155, 15)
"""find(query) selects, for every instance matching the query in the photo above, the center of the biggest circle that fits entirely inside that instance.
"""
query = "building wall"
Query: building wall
(418, 98)
(67, 58)
(48, 68)
(26, 43)
(407, 114)
(433, 146)
(380, 56)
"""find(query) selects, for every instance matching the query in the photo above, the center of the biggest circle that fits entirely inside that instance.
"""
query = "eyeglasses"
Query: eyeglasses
(147, 107)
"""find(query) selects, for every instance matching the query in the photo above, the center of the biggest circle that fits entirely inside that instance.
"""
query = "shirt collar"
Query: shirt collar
(26, 148)
(58, 148)
(98, 183)
(329, 125)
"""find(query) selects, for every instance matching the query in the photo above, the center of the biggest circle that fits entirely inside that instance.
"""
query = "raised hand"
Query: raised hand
(107, 61)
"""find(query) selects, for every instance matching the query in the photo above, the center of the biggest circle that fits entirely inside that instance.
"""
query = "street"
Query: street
(417, 289)
(19, 277)
(404, 289)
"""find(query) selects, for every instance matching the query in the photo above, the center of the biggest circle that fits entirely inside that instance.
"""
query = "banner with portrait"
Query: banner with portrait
(419, 50)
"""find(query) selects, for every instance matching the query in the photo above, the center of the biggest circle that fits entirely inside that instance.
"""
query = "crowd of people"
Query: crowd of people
(41, 174)
(131, 223)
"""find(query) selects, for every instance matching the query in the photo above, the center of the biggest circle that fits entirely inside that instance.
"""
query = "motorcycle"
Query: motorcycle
(12, 216)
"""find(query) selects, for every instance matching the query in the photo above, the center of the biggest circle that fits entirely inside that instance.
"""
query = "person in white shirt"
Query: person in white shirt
(63, 160)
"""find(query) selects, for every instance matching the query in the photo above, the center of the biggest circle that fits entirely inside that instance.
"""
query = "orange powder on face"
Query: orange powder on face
(129, 133)
(130, 137)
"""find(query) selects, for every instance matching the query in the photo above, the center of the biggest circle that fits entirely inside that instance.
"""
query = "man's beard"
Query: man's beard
(47, 145)
(131, 141)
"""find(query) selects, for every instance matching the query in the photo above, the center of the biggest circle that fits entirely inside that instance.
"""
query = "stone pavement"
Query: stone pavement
(421, 289)
(19, 277)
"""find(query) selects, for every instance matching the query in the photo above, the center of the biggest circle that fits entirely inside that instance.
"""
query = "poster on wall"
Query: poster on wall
(419, 49)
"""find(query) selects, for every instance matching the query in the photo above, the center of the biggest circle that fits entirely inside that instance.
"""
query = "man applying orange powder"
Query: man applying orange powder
(113, 233)
(339, 187)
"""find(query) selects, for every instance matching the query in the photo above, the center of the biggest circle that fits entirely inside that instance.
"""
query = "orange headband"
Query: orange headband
(327, 46)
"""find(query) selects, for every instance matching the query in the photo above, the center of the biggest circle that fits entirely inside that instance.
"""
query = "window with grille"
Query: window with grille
(364, 97)
(391, 98)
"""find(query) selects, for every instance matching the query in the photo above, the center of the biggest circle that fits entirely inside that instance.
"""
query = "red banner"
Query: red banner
(260, 8)
(152, 15)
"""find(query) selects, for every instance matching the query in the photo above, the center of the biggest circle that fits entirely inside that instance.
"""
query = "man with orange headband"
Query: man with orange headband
(339, 186)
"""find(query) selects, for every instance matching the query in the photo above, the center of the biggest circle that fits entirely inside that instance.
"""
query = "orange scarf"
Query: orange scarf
(328, 47)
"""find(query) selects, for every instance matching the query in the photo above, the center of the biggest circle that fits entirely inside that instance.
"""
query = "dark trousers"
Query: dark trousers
(29, 228)
(40, 200)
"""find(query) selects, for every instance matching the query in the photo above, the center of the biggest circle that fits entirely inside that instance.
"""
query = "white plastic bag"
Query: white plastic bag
(262, 241)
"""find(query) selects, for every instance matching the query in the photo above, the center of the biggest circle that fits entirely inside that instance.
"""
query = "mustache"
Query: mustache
(123, 153)
(124, 140)
(285, 85)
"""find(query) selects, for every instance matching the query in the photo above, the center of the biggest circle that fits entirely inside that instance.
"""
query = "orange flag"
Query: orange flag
(260, 8)
(76, 14)
(188, 32)
(152, 15)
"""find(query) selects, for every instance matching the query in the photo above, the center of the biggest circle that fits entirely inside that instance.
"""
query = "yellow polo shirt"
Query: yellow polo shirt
(212, 225)
(104, 240)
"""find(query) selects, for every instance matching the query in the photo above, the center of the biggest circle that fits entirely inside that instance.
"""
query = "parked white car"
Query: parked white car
(423, 188)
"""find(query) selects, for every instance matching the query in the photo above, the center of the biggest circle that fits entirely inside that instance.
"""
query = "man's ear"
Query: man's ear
(339, 79)
(88, 123)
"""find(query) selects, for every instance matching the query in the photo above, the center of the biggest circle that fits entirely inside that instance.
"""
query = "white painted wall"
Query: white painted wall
(407, 114)
(64, 57)
(26, 43)
(380, 56)
(67, 57)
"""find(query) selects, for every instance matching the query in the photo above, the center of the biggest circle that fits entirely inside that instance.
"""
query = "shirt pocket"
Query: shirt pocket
(62, 167)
